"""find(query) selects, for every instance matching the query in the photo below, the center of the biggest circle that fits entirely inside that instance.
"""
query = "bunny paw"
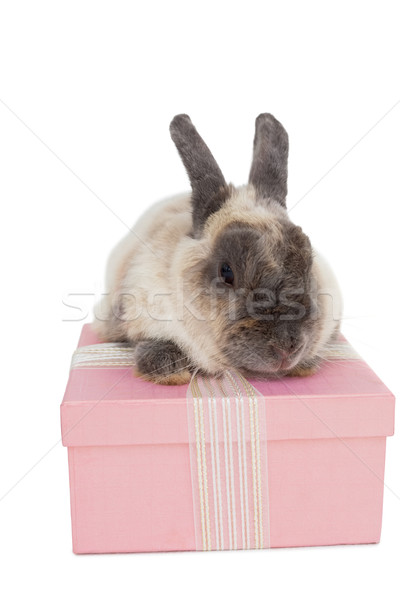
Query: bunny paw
(161, 361)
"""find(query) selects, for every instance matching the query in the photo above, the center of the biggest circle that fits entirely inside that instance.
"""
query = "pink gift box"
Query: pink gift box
(298, 462)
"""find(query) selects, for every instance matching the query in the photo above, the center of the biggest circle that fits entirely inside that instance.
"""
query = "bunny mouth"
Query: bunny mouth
(285, 361)
(287, 365)
(269, 359)
(279, 364)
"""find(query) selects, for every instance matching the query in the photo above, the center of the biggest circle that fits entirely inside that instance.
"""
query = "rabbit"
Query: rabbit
(220, 278)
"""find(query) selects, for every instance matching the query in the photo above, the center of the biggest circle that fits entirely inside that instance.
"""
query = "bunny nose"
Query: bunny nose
(286, 351)
(283, 354)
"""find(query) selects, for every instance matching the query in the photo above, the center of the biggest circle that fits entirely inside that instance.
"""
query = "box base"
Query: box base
(322, 492)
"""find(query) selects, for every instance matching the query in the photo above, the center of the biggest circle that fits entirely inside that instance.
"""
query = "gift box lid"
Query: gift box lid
(111, 406)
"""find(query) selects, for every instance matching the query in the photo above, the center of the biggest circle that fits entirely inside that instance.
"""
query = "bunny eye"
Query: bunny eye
(227, 274)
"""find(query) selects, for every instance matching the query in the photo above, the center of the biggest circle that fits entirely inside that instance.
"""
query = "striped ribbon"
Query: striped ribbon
(103, 356)
(228, 453)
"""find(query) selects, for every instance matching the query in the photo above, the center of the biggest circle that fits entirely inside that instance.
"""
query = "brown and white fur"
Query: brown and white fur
(220, 277)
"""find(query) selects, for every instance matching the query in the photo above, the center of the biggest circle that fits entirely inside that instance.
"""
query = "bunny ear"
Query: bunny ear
(268, 173)
(208, 184)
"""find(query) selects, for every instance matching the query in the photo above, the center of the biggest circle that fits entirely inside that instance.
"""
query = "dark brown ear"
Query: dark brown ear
(268, 173)
(208, 184)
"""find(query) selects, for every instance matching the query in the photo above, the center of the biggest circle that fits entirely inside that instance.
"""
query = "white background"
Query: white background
(87, 91)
